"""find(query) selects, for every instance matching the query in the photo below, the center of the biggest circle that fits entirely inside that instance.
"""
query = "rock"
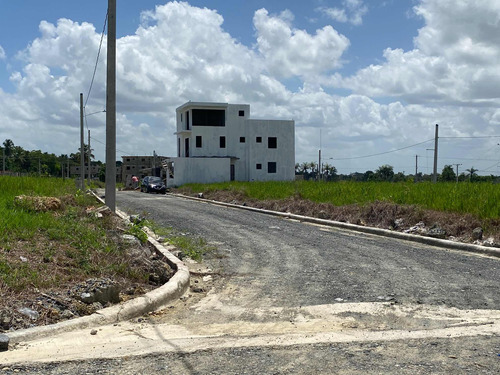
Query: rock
(398, 223)
(4, 342)
(67, 314)
(5, 322)
(93, 332)
(436, 232)
(323, 215)
(32, 314)
(198, 290)
(417, 228)
(130, 240)
(200, 195)
(477, 234)
(98, 290)
(23, 259)
(207, 278)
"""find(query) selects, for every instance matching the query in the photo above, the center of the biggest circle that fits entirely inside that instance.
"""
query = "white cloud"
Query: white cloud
(290, 52)
(181, 53)
(2, 53)
(455, 60)
(352, 12)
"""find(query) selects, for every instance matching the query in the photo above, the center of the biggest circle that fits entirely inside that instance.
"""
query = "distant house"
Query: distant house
(140, 166)
(220, 142)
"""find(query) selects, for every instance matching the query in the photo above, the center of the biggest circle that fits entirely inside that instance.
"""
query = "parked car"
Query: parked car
(152, 184)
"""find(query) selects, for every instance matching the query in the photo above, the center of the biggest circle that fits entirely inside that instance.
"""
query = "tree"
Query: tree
(472, 173)
(385, 173)
(448, 174)
(369, 176)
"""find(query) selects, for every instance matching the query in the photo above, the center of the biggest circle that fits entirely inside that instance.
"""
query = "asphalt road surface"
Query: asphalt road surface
(287, 297)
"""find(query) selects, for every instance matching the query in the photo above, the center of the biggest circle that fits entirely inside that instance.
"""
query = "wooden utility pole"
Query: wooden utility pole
(434, 177)
(82, 153)
(111, 109)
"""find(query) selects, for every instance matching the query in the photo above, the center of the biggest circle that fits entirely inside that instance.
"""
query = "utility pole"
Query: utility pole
(457, 170)
(416, 168)
(3, 160)
(434, 177)
(82, 153)
(39, 168)
(319, 165)
(90, 169)
(111, 109)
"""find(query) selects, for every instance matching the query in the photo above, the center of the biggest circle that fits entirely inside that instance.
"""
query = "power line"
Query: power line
(382, 153)
(104, 144)
(97, 60)
(485, 136)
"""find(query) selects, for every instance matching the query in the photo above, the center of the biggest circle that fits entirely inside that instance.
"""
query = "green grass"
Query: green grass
(60, 245)
(193, 247)
(479, 199)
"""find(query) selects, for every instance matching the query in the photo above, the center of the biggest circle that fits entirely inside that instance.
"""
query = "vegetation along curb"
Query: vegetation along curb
(148, 302)
(360, 228)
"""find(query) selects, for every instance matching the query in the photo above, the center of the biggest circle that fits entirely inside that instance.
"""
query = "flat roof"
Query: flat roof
(202, 105)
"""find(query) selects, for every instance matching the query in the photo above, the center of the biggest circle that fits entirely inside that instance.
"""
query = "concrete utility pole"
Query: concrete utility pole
(90, 169)
(457, 170)
(434, 177)
(319, 165)
(111, 109)
(416, 168)
(82, 153)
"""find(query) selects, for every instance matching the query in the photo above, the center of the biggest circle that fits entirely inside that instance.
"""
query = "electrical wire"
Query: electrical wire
(97, 60)
(381, 153)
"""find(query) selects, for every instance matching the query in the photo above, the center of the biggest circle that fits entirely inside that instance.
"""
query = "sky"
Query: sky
(365, 81)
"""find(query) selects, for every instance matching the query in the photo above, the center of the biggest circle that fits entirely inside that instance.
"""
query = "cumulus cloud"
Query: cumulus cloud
(180, 53)
(290, 52)
(455, 59)
(352, 12)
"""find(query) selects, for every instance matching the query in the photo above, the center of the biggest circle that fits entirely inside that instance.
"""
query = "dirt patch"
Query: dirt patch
(386, 215)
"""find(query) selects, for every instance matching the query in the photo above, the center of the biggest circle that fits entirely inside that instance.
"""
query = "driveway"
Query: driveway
(288, 297)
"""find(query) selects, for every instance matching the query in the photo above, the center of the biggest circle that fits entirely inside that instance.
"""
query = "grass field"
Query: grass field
(479, 199)
(43, 249)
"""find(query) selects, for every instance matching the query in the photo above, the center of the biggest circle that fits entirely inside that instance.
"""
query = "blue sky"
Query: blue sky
(370, 76)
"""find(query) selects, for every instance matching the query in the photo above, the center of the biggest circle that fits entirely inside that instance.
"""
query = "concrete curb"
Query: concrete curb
(150, 301)
(447, 244)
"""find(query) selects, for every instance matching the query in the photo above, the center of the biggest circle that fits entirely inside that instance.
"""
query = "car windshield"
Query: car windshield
(155, 180)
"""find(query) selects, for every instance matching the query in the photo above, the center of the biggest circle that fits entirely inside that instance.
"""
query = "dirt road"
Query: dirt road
(287, 297)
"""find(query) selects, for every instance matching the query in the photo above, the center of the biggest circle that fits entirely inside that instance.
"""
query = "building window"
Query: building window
(222, 142)
(258, 139)
(198, 141)
(209, 117)
(128, 159)
(143, 160)
(258, 166)
(242, 139)
(272, 142)
(128, 168)
(241, 113)
(271, 167)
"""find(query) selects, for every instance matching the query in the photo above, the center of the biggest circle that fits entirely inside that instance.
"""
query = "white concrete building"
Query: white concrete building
(220, 142)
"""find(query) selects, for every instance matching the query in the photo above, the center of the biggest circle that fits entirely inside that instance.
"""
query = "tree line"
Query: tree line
(15, 159)
(310, 171)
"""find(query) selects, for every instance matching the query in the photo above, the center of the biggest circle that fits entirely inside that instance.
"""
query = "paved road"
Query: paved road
(289, 297)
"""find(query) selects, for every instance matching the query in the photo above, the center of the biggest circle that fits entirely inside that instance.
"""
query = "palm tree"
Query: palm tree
(472, 172)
